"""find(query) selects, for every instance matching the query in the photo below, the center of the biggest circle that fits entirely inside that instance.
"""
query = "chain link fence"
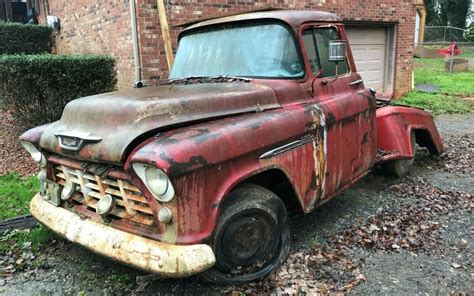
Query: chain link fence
(465, 58)
(443, 34)
(440, 38)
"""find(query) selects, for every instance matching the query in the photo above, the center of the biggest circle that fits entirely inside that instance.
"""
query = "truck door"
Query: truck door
(348, 107)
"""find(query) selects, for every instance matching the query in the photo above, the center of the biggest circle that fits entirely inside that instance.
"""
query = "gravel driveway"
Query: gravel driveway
(407, 236)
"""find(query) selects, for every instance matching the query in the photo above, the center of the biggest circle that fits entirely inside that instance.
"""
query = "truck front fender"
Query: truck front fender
(394, 126)
(187, 149)
(205, 161)
(34, 135)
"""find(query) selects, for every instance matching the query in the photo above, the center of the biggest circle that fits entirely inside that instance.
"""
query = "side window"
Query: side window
(317, 51)
(310, 45)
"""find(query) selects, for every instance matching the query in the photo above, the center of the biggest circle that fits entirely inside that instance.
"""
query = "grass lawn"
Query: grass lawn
(31, 239)
(453, 88)
(15, 196)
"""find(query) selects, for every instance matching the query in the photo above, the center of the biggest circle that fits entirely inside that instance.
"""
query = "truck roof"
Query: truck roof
(292, 17)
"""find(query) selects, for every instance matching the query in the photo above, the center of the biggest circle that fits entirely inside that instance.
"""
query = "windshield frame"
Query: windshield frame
(248, 23)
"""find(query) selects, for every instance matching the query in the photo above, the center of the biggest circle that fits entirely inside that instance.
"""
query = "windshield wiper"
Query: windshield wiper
(204, 79)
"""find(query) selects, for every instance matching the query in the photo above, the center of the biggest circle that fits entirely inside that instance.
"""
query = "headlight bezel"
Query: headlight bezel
(163, 192)
(35, 153)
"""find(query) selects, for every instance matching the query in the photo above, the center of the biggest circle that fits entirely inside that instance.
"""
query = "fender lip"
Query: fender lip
(165, 259)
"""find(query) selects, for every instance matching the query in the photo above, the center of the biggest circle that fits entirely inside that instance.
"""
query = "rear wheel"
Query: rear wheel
(401, 167)
(252, 236)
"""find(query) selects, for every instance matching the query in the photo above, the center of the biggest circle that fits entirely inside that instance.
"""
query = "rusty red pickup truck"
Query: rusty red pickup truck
(261, 112)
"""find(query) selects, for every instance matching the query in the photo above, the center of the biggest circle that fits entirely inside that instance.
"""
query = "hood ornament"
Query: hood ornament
(75, 140)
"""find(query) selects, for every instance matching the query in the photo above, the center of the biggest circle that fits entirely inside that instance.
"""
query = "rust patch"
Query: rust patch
(365, 138)
(319, 155)
(177, 168)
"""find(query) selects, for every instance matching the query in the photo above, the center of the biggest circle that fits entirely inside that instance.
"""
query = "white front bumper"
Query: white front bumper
(153, 256)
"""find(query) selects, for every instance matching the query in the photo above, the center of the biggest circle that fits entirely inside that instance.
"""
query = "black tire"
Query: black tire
(252, 236)
(401, 167)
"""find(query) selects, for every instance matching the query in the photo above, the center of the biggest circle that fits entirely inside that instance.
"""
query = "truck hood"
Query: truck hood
(103, 127)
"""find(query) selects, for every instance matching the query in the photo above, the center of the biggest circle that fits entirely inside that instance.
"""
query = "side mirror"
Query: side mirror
(337, 51)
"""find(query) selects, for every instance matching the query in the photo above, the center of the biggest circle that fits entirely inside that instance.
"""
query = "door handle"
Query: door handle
(356, 82)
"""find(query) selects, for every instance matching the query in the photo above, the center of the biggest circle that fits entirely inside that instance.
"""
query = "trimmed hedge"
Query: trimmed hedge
(16, 38)
(37, 87)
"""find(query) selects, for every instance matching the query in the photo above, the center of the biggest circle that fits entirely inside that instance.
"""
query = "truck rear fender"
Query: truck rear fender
(394, 126)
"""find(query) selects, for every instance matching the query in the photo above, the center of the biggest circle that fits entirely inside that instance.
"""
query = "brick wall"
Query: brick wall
(401, 12)
(105, 28)
(96, 27)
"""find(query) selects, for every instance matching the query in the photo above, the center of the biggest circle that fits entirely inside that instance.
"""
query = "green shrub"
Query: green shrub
(16, 38)
(469, 34)
(37, 87)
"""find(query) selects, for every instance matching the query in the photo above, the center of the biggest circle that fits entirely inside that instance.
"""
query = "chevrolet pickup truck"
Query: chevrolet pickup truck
(262, 111)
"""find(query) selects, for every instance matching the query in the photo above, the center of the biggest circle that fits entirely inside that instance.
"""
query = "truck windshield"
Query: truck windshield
(259, 50)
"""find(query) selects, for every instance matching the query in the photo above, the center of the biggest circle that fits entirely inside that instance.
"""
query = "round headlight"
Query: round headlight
(165, 215)
(68, 190)
(42, 176)
(156, 181)
(105, 205)
(34, 152)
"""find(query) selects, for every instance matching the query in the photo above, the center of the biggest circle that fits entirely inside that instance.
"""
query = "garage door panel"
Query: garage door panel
(376, 53)
(366, 35)
(368, 49)
(374, 66)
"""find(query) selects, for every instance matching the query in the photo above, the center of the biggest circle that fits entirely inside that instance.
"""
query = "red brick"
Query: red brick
(104, 28)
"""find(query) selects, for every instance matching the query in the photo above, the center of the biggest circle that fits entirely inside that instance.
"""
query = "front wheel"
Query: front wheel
(252, 236)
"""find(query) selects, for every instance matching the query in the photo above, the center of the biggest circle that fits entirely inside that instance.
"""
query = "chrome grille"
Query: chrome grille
(130, 204)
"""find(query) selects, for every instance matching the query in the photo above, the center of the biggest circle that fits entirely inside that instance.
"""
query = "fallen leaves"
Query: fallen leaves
(16, 257)
(13, 158)
(415, 226)
(324, 269)
(458, 155)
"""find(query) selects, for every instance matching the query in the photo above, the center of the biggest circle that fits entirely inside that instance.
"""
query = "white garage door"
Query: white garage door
(368, 46)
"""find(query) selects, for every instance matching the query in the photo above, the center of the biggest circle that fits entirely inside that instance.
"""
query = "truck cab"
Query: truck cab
(262, 112)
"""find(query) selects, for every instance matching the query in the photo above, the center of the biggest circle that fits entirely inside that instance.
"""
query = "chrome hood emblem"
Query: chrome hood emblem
(75, 140)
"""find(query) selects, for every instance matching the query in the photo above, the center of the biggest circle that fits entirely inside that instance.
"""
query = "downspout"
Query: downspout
(136, 54)
(421, 35)
(421, 11)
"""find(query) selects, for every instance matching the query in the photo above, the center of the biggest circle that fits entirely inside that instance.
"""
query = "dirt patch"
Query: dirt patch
(13, 158)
